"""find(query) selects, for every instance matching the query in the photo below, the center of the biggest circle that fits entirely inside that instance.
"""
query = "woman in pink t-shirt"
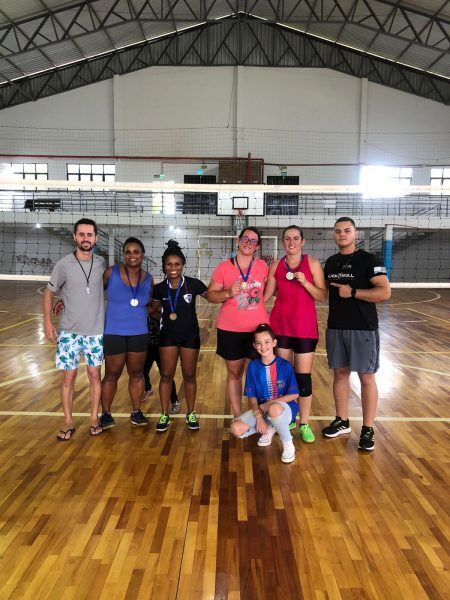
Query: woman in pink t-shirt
(238, 285)
(298, 280)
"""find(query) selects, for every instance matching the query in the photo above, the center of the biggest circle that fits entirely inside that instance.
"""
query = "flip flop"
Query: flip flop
(96, 430)
(65, 432)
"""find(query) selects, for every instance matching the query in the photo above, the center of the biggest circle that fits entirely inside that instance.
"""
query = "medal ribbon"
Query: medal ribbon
(81, 267)
(134, 292)
(246, 276)
(296, 268)
(173, 305)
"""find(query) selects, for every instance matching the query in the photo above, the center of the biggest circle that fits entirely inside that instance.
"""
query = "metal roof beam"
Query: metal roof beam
(80, 16)
(222, 44)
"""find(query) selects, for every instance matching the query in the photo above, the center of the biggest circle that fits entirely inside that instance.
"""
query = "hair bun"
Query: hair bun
(172, 244)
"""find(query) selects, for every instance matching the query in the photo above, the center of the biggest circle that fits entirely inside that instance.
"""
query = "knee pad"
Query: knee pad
(304, 383)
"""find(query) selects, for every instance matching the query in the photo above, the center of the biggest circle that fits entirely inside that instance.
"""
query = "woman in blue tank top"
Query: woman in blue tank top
(128, 292)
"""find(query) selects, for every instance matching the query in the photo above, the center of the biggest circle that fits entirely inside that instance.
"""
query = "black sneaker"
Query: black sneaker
(138, 418)
(337, 427)
(107, 421)
(163, 423)
(366, 441)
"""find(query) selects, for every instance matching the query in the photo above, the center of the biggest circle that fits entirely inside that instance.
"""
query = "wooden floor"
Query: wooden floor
(198, 515)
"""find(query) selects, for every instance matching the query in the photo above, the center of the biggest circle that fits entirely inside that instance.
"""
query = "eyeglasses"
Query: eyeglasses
(248, 240)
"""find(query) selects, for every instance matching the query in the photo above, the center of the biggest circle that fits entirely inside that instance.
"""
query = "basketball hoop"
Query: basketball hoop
(239, 220)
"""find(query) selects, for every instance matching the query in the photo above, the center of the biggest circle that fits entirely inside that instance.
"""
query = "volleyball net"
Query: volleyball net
(410, 230)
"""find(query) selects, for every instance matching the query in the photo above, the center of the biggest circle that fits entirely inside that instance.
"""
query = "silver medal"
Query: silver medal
(290, 275)
(134, 302)
(88, 290)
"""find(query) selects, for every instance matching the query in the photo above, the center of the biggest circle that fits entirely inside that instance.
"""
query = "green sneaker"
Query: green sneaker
(192, 421)
(306, 434)
(292, 425)
(163, 423)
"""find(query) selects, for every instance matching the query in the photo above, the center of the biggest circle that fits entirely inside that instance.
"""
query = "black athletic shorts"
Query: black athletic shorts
(166, 340)
(296, 344)
(120, 344)
(234, 345)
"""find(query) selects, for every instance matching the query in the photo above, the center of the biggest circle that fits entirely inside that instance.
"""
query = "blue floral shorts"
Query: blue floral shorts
(71, 345)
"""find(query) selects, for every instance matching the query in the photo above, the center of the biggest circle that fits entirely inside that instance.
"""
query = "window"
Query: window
(106, 173)
(282, 180)
(200, 203)
(26, 171)
(30, 170)
(202, 179)
(439, 177)
(384, 182)
(163, 203)
(281, 204)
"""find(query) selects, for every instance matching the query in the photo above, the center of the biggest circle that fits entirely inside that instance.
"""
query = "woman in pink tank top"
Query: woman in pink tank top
(298, 280)
(237, 284)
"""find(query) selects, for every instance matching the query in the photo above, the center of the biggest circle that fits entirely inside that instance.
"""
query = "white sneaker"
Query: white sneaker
(146, 395)
(266, 438)
(288, 452)
(174, 408)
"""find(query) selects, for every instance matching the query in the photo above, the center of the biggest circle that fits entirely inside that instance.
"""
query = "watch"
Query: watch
(353, 294)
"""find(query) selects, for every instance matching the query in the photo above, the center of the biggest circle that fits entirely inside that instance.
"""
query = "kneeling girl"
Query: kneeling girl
(272, 391)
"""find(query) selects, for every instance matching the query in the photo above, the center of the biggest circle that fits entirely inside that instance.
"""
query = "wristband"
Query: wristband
(353, 294)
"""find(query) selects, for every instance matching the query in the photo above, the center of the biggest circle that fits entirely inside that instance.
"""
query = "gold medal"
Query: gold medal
(173, 316)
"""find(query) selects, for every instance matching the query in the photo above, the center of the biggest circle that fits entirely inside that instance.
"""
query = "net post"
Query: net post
(387, 249)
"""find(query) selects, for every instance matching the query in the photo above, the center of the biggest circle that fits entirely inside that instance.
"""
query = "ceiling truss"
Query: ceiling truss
(87, 41)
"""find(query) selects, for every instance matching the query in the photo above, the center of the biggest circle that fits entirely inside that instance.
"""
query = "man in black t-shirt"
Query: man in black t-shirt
(356, 281)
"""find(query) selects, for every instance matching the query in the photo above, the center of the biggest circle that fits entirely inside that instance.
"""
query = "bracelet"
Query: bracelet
(257, 412)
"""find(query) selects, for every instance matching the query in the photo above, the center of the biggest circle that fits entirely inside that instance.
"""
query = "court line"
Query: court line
(17, 324)
(436, 297)
(445, 374)
(18, 413)
(28, 346)
(213, 349)
(430, 316)
(29, 376)
(395, 304)
(417, 351)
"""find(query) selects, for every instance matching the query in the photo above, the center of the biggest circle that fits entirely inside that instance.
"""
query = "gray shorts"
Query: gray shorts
(354, 349)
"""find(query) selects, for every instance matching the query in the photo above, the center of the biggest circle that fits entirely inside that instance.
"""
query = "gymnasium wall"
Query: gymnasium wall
(315, 117)
(312, 116)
